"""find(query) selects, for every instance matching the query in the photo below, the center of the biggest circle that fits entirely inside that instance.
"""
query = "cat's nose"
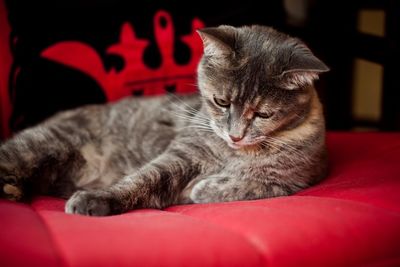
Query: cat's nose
(236, 138)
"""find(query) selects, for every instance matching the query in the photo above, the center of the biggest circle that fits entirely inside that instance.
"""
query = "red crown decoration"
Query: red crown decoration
(136, 77)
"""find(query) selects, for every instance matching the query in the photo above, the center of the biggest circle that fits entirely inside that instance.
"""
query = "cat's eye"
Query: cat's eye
(264, 115)
(221, 102)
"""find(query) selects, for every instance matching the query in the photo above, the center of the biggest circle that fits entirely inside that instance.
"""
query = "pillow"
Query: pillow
(72, 53)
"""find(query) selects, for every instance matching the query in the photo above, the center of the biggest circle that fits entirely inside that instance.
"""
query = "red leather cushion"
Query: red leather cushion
(350, 219)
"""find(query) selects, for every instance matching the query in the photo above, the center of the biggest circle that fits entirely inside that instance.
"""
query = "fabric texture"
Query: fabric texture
(352, 218)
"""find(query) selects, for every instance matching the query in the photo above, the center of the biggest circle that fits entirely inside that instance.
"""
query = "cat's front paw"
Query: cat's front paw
(206, 191)
(90, 203)
(222, 189)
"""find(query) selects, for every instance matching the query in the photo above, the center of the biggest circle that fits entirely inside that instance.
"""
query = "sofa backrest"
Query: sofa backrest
(72, 53)
(5, 65)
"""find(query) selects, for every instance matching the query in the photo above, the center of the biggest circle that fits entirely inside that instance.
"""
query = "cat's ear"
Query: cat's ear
(303, 68)
(218, 41)
(302, 59)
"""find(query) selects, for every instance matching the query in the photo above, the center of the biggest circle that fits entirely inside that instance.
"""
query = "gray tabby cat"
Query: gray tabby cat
(255, 131)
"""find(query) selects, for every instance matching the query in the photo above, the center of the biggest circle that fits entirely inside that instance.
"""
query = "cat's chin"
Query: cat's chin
(240, 146)
(235, 146)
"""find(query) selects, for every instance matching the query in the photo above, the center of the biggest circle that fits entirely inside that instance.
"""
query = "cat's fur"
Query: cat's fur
(256, 88)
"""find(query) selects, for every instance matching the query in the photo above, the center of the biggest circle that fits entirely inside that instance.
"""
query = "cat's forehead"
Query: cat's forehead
(257, 78)
(266, 61)
(250, 83)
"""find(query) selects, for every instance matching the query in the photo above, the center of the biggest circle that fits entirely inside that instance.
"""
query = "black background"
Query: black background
(43, 87)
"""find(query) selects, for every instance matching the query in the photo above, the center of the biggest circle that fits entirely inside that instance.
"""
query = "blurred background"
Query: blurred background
(112, 43)
(359, 40)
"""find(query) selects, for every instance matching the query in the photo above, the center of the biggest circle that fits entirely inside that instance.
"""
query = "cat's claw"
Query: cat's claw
(90, 203)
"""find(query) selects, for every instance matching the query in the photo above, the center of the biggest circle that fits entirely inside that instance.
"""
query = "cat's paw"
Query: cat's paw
(220, 189)
(90, 203)
(10, 187)
(205, 191)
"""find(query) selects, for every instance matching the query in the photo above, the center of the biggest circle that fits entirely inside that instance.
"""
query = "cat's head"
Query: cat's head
(255, 81)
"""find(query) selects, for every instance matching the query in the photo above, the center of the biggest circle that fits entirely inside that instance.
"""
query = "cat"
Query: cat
(255, 130)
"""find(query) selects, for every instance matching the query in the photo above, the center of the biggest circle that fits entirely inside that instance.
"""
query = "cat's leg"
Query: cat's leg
(36, 157)
(222, 189)
(156, 185)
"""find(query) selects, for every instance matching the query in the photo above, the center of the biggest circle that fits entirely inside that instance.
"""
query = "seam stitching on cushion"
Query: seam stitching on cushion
(56, 247)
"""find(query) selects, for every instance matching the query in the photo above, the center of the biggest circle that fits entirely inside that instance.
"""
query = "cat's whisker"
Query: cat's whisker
(185, 108)
(277, 144)
(182, 102)
(192, 84)
(196, 128)
(193, 112)
(281, 148)
(290, 148)
(200, 125)
(194, 121)
(260, 146)
(272, 145)
(188, 116)
(188, 113)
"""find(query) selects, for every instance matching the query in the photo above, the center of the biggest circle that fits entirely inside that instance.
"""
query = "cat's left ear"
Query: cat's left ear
(302, 68)
(218, 41)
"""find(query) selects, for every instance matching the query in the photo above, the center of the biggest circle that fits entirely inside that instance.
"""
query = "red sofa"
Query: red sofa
(350, 219)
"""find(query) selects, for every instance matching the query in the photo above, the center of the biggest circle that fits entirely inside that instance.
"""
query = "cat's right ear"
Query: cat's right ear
(218, 41)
